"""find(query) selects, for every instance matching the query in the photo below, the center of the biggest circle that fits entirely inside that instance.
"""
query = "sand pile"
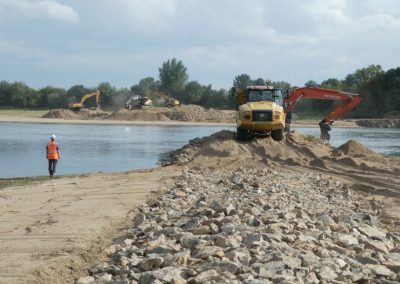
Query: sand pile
(92, 114)
(198, 113)
(62, 114)
(71, 115)
(296, 149)
(192, 113)
(356, 149)
(140, 115)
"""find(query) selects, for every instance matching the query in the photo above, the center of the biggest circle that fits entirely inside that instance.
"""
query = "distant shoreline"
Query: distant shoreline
(37, 120)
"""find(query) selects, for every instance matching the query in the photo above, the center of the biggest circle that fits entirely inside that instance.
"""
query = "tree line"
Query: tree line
(380, 91)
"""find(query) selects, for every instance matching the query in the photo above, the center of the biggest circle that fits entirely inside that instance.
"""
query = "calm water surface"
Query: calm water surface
(113, 148)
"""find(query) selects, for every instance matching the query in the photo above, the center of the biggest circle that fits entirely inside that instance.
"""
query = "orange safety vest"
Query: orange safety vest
(52, 152)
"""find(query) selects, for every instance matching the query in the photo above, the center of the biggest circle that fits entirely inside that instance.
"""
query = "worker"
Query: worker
(52, 155)
(325, 127)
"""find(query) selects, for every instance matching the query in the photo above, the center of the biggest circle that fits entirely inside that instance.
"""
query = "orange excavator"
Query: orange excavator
(349, 102)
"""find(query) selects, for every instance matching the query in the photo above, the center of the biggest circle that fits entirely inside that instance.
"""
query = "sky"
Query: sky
(63, 43)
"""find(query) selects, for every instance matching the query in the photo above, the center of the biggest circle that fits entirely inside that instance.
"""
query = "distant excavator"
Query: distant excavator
(80, 105)
(169, 102)
(138, 102)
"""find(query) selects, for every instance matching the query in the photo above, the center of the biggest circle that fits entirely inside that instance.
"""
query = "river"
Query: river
(114, 148)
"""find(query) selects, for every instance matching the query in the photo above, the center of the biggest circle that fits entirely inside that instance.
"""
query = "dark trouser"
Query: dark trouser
(52, 166)
(325, 135)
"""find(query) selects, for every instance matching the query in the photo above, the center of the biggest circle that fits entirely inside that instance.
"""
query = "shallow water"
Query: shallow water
(114, 148)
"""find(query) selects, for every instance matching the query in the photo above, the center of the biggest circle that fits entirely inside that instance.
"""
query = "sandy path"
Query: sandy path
(60, 218)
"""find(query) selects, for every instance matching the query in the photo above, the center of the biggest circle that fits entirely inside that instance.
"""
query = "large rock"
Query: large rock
(372, 232)
(165, 275)
(376, 246)
(380, 270)
(151, 263)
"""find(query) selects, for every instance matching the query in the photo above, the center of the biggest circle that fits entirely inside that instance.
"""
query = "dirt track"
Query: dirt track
(45, 224)
(58, 227)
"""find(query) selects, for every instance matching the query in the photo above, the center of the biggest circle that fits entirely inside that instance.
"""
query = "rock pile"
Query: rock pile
(253, 225)
(379, 123)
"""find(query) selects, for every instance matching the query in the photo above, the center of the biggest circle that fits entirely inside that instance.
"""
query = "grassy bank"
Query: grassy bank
(18, 112)
(21, 181)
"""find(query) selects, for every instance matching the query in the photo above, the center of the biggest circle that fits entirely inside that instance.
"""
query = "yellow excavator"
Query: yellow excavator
(169, 102)
(80, 105)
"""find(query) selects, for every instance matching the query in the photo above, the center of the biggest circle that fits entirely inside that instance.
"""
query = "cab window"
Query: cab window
(260, 95)
(278, 97)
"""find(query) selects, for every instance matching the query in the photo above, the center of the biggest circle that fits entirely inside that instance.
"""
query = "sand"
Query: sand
(53, 230)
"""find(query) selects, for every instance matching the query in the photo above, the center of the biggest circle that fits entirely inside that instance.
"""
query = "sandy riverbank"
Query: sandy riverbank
(53, 231)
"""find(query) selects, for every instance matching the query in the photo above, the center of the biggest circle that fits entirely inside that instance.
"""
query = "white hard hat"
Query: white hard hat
(53, 137)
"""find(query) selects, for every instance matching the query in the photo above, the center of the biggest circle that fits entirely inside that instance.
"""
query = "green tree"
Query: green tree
(311, 83)
(242, 81)
(21, 95)
(146, 87)
(173, 77)
(381, 95)
(52, 97)
(259, 82)
(192, 93)
(5, 94)
(353, 81)
(281, 85)
(332, 83)
(107, 93)
(76, 92)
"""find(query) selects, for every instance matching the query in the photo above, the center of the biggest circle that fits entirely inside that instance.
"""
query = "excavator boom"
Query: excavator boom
(349, 100)
(78, 106)
(85, 97)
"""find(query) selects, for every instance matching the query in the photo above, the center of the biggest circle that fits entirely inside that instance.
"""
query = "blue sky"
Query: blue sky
(63, 43)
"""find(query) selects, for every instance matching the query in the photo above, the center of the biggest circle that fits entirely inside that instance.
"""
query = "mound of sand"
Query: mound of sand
(90, 114)
(139, 115)
(355, 149)
(191, 113)
(61, 114)
(71, 115)
(221, 150)
(198, 113)
(223, 147)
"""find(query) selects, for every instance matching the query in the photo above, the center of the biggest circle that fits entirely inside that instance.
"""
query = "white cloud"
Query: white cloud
(49, 8)
(148, 14)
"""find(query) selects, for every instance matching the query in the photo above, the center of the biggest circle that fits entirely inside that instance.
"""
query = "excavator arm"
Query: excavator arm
(78, 106)
(97, 94)
(349, 100)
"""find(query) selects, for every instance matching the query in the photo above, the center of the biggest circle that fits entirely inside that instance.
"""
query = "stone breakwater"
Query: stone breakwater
(253, 225)
(379, 123)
